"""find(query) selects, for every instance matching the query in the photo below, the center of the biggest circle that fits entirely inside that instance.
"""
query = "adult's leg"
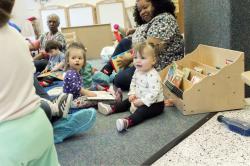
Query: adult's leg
(124, 45)
(40, 64)
(35, 135)
(59, 107)
(40, 91)
(123, 78)
(47, 109)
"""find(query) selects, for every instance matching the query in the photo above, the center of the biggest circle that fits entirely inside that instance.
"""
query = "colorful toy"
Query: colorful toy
(119, 32)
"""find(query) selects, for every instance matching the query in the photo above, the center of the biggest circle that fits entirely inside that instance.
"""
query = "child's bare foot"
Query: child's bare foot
(169, 102)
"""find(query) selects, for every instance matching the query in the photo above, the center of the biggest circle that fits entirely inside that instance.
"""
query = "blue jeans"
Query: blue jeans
(40, 64)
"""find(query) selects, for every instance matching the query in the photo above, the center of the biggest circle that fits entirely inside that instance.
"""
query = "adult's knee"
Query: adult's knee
(122, 81)
(126, 42)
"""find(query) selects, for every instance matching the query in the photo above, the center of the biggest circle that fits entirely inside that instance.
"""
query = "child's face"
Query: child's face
(54, 52)
(76, 59)
(146, 61)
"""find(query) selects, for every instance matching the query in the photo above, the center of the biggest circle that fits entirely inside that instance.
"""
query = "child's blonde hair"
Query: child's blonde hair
(139, 47)
(75, 45)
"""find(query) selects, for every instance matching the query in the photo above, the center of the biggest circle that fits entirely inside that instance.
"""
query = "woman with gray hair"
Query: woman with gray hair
(41, 59)
(26, 133)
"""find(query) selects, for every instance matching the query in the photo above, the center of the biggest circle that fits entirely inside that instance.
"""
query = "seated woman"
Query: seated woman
(156, 24)
(41, 59)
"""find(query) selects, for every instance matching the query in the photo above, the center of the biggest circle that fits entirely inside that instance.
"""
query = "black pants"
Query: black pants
(40, 91)
(123, 78)
(40, 64)
(44, 105)
(142, 113)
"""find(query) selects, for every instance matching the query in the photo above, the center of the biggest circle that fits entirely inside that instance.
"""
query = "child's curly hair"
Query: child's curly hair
(75, 45)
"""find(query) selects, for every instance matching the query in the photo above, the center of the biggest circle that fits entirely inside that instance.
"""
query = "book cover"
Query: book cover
(58, 74)
(171, 71)
(177, 78)
(114, 59)
(186, 72)
(102, 96)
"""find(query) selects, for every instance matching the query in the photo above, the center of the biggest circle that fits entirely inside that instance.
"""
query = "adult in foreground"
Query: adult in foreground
(26, 133)
(157, 24)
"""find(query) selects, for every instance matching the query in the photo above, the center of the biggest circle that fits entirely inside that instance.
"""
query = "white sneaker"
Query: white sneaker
(104, 109)
(120, 124)
(63, 103)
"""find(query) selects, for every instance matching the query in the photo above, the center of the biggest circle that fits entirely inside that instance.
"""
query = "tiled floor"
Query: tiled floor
(212, 144)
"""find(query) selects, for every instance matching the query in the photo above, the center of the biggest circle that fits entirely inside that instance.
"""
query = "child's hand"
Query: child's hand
(130, 31)
(90, 94)
(131, 98)
(138, 102)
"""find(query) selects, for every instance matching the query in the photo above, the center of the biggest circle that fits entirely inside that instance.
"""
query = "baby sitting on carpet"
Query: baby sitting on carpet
(75, 60)
(146, 94)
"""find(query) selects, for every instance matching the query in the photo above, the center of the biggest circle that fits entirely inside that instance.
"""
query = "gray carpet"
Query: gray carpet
(103, 145)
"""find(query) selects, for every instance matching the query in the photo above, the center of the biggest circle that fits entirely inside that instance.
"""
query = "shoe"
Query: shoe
(63, 103)
(121, 124)
(75, 123)
(104, 109)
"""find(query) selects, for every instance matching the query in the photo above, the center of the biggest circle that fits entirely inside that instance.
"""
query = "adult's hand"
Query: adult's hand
(130, 31)
(158, 43)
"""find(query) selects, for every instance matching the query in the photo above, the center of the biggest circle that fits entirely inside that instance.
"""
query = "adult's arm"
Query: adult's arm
(130, 31)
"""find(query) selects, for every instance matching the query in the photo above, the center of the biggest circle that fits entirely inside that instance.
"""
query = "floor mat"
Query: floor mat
(142, 144)
(103, 145)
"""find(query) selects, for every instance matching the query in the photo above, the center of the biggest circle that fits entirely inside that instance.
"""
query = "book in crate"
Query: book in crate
(213, 83)
(177, 91)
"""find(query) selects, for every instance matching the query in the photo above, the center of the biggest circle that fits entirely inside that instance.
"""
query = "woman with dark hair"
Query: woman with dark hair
(26, 133)
(156, 23)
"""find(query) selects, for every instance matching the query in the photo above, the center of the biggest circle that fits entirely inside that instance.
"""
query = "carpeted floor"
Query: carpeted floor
(142, 144)
(103, 145)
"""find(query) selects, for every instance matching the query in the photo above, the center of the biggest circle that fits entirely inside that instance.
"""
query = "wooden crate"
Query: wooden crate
(221, 87)
(94, 38)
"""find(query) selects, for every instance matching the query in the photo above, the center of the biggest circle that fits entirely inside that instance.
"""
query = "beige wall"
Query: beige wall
(128, 3)
(26, 8)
